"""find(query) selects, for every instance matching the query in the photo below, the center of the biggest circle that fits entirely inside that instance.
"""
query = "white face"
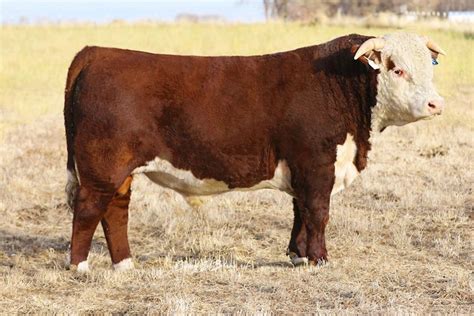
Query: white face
(405, 90)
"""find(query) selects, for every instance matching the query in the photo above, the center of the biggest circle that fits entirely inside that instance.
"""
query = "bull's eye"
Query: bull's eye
(398, 72)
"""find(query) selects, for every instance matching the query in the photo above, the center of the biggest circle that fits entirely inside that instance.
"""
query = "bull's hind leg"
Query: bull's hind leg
(115, 225)
(88, 211)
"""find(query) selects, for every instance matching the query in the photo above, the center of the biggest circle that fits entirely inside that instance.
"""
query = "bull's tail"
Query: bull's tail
(71, 188)
(75, 70)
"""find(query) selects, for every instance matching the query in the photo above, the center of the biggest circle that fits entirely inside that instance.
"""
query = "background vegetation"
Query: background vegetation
(310, 9)
(400, 239)
(34, 59)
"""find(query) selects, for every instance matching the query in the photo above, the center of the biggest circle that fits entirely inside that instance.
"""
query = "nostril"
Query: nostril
(435, 106)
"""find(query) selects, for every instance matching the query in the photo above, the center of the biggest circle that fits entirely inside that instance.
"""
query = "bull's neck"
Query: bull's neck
(366, 84)
(353, 87)
(355, 94)
(382, 112)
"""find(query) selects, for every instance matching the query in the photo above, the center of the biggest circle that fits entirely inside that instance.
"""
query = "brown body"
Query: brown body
(231, 119)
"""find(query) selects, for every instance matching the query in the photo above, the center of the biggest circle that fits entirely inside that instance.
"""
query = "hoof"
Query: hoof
(82, 267)
(124, 265)
(318, 263)
(296, 260)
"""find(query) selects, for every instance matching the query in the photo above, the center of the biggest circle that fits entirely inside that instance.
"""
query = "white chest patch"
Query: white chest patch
(345, 171)
(165, 174)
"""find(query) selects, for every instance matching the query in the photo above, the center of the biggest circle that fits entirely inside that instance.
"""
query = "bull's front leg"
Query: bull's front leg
(315, 216)
(311, 207)
(297, 247)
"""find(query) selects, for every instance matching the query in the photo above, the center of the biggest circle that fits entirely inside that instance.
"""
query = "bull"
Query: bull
(297, 121)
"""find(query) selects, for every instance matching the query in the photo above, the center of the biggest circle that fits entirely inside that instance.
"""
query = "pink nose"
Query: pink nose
(436, 106)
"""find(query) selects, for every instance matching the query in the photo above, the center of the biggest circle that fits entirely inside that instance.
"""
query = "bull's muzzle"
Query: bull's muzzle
(435, 107)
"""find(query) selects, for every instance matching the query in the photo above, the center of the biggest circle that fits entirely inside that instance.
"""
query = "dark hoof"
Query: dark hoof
(319, 263)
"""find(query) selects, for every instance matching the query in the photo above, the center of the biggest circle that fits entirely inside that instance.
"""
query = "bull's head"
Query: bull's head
(405, 90)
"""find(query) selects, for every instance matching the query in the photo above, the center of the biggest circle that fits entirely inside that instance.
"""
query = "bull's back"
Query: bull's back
(223, 91)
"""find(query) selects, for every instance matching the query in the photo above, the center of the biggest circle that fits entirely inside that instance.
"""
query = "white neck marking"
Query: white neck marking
(345, 170)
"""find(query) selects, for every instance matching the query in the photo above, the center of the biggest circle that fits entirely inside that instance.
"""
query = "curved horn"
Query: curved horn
(434, 47)
(376, 43)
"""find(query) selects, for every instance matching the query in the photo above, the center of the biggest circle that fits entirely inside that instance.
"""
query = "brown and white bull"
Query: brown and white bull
(297, 121)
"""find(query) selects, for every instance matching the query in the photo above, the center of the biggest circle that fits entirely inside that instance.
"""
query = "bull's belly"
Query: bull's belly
(166, 175)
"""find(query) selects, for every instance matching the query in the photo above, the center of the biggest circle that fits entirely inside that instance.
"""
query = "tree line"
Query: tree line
(306, 9)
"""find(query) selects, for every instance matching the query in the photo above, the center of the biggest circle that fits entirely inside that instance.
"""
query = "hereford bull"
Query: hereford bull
(296, 121)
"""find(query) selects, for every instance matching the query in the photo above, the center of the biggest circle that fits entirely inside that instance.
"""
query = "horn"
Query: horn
(434, 47)
(376, 43)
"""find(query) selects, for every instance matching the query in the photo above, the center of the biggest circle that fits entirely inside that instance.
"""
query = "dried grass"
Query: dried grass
(400, 239)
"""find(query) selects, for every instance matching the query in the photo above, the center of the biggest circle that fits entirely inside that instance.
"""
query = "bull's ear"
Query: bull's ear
(370, 51)
(434, 48)
(370, 45)
(371, 58)
(434, 55)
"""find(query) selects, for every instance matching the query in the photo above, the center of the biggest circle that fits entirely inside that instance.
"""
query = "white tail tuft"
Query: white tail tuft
(71, 188)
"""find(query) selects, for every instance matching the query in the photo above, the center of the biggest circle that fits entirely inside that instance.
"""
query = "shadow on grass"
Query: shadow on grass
(14, 243)
(224, 261)
(34, 246)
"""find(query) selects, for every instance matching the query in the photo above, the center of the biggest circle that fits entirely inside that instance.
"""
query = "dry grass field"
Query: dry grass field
(400, 239)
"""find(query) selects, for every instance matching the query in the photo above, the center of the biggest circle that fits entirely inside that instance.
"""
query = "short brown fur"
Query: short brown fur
(226, 118)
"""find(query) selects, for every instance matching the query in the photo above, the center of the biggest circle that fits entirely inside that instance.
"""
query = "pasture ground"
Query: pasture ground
(400, 239)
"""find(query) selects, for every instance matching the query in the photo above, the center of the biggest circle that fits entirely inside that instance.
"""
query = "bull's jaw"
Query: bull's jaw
(393, 102)
(389, 109)
(383, 116)
(381, 119)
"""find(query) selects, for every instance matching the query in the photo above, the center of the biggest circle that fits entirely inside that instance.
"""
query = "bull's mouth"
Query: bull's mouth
(431, 116)
(428, 116)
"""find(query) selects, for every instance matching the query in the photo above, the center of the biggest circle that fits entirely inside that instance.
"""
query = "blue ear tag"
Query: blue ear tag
(434, 62)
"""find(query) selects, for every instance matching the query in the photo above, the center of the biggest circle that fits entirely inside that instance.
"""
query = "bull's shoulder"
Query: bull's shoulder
(342, 43)
(353, 38)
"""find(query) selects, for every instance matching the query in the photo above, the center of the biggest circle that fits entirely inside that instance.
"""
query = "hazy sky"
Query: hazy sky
(102, 11)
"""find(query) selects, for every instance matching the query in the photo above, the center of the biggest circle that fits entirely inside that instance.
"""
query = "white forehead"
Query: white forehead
(409, 52)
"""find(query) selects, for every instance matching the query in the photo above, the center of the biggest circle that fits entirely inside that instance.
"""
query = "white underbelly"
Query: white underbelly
(165, 174)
